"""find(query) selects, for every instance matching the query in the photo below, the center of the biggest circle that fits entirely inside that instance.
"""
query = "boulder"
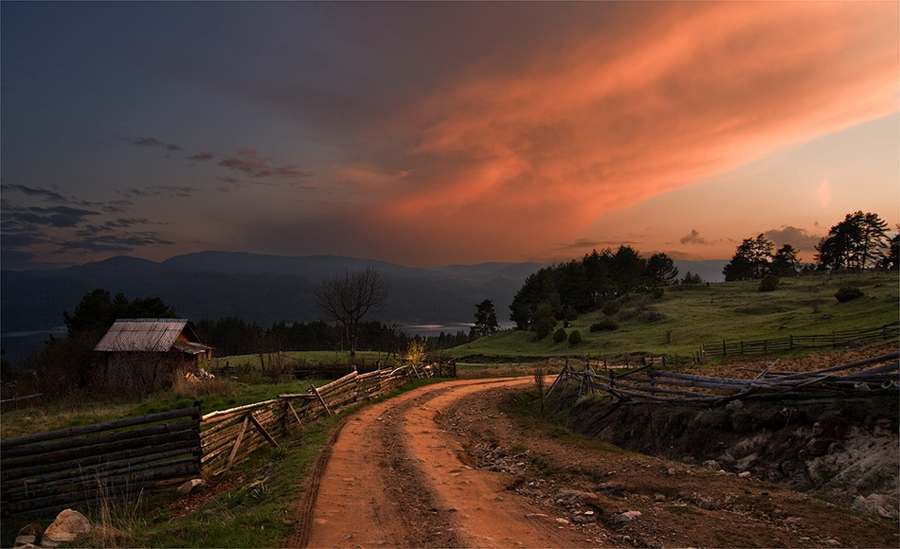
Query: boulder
(626, 516)
(190, 486)
(69, 526)
(569, 498)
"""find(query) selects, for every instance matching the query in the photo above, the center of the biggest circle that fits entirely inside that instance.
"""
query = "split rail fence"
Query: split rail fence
(47, 472)
(793, 343)
(877, 376)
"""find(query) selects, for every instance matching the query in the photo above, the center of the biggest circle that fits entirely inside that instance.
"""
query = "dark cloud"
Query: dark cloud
(693, 238)
(153, 142)
(114, 225)
(57, 216)
(247, 160)
(159, 190)
(798, 238)
(203, 155)
(41, 192)
(580, 243)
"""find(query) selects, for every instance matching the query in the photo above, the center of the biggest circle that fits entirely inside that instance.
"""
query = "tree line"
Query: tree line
(860, 242)
(565, 290)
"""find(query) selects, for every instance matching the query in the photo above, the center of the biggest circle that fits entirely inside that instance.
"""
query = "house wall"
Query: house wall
(138, 373)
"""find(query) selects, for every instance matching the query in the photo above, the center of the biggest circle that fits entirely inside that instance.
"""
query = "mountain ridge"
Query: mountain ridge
(265, 289)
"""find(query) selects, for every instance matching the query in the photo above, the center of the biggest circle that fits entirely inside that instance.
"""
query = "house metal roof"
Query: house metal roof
(149, 335)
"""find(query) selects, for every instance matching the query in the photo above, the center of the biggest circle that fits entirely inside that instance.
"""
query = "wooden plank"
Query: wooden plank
(291, 408)
(237, 442)
(34, 488)
(80, 442)
(98, 427)
(262, 430)
(29, 470)
(75, 470)
(97, 450)
(321, 400)
(220, 413)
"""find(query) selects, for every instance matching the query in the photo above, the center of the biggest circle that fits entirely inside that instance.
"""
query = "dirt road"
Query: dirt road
(441, 466)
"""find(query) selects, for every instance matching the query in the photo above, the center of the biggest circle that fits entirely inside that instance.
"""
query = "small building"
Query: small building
(142, 355)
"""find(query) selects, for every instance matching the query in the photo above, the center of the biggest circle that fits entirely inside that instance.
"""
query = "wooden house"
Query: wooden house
(142, 355)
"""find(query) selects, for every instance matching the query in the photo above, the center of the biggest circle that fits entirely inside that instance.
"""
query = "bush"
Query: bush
(607, 324)
(560, 336)
(657, 293)
(654, 316)
(611, 308)
(769, 283)
(847, 293)
(575, 337)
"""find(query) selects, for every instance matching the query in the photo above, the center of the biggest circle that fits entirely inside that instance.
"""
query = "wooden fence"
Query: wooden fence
(793, 343)
(54, 470)
(876, 376)
(229, 436)
(105, 461)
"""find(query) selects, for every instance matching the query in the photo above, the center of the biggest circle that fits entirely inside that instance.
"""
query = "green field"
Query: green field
(687, 317)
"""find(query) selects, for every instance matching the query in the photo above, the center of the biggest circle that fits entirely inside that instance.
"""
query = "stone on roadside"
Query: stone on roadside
(190, 486)
(744, 474)
(568, 498)
(27, 536)
(69, 526)
(626, 516)
(712, 465)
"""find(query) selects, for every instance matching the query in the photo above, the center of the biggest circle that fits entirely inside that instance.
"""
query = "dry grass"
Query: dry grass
(204, 387)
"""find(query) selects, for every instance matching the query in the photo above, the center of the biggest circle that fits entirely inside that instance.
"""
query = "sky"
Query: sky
(435, 133)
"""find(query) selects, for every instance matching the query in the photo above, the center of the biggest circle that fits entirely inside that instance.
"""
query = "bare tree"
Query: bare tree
(345, 299)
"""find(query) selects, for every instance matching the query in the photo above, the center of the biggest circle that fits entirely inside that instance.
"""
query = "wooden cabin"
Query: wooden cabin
(142, 355)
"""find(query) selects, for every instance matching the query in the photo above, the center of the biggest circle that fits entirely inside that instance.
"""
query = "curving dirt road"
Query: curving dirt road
(441, 466)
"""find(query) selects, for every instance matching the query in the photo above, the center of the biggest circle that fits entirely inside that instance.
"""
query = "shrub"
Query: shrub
(769, 283)
(654, 316)
(657, 293)
(846, 293)
(575, 337)
(607, 324)
(611, 308)
(560, 336)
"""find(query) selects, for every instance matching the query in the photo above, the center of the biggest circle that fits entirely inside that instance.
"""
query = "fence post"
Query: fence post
(724, 350)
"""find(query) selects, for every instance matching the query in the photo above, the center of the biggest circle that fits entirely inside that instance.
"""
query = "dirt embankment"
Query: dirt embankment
(844, 451)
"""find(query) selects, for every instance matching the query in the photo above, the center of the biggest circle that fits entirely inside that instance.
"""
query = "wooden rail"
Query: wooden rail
(792, 343)
(47, 472)
(54, 470)
(877, 376)
(230, 436)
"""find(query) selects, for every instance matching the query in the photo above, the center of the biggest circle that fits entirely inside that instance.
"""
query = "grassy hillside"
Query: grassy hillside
(686, 317)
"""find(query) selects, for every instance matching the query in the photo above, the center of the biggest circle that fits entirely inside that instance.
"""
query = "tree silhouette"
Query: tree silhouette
(485, 318)
(347, 298)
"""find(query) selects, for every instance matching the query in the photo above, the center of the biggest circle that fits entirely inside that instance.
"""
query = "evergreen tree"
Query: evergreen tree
(751, 260)
(857, 242)
(485, 319)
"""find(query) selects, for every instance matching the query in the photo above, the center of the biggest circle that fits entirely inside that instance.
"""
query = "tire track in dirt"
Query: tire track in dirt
(397, 479)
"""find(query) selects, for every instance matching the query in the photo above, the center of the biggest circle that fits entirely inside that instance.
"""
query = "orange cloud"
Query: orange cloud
(698, 89)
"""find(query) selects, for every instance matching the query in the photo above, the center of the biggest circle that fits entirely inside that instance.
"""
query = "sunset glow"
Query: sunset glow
(428, 134)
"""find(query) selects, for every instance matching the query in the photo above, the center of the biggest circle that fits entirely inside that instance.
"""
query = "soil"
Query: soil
(445, 466)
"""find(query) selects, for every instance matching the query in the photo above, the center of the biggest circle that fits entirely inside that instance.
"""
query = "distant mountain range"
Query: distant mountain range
(266, 289)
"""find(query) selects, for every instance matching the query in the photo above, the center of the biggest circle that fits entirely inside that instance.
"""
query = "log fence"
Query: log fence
(47, 472)
(877, 376)
(111, 460)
